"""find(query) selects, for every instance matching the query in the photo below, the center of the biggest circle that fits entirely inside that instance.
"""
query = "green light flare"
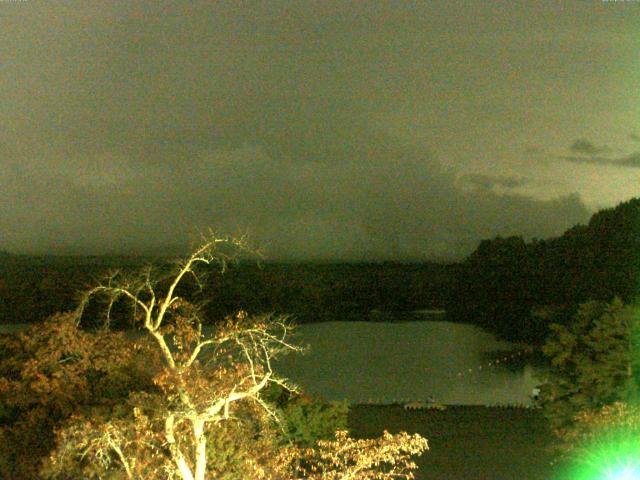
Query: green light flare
(610, 457)
(625, 472)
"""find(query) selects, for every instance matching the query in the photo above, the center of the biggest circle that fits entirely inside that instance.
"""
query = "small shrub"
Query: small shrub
(307, 420)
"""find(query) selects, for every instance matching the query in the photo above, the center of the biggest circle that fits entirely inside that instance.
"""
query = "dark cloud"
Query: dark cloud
(632, 160)
(587, 148)
(128, 126)
(488, 182)
(534, 149)
(590, 159)
(587, 152)
(379, 200)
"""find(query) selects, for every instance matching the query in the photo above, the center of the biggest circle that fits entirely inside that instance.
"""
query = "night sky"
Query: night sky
(324, 130)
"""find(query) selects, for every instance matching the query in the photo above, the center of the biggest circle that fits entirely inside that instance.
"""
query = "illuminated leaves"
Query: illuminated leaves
(382, 458)
(49, 372)
(57, 361)
(182, 394)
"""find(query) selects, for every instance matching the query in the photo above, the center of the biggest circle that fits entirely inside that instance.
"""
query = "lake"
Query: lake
(408, 361)
(383, 362)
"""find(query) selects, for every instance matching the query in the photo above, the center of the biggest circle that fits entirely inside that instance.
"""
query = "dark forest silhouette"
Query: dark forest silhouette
(511, 287)
(516, 288)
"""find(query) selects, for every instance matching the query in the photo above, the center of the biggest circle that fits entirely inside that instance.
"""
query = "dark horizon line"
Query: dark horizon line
(275, 261)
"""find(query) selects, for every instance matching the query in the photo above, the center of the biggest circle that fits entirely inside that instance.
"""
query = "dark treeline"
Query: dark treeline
(319, 292)
(32, 288)
(509, 286)
(516, 288)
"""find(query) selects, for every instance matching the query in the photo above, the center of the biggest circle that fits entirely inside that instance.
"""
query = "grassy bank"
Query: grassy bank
(470, 443)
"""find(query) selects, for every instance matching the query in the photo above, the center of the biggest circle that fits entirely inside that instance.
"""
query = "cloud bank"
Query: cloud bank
(589, 153)
(129, 127)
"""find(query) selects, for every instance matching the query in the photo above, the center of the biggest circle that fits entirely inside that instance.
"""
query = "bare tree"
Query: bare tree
(202, 381)
(202, 377)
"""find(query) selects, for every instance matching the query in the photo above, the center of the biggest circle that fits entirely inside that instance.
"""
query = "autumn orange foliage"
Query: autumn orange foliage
(171, 403)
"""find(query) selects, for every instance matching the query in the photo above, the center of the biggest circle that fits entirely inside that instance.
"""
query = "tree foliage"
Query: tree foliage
(306, 420)
(505, 279)
(201, 407)
(594, 362)
(52, 371)
(387, 457)
(603, 425)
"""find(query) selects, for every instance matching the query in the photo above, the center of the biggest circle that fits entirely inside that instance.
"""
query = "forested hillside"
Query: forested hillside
(515, 288)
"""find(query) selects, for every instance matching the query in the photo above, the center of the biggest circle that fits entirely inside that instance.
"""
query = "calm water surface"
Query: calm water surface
(405, 361)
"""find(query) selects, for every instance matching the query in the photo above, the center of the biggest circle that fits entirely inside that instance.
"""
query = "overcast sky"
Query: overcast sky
(324, 130)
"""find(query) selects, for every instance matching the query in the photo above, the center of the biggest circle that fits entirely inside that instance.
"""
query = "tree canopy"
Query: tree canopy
(505, 279)
(594, 362)
(176, 402)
